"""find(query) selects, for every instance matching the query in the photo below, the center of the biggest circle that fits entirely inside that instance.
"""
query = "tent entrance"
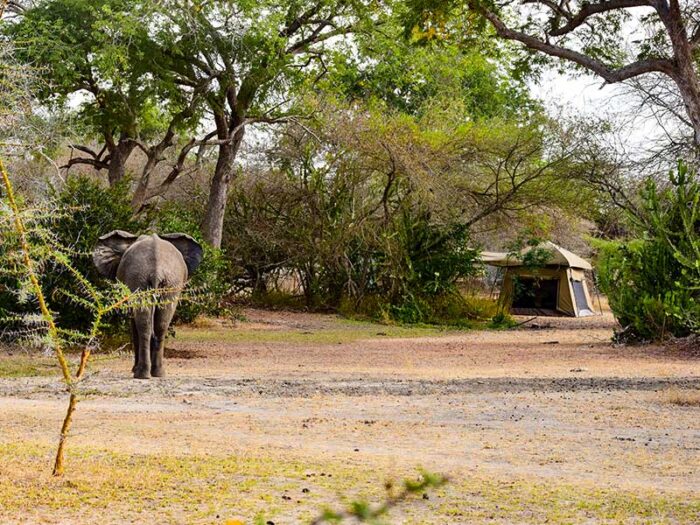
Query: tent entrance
(535, 293)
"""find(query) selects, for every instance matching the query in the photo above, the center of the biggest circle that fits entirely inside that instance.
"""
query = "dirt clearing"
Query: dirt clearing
(283, 414)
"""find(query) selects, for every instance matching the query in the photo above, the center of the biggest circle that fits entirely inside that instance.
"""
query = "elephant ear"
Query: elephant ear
(190, 249)
(109, 250)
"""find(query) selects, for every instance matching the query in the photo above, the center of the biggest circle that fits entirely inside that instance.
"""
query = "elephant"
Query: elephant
(148, 262)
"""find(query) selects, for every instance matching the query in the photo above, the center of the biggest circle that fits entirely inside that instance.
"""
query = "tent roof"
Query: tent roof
(559, 257)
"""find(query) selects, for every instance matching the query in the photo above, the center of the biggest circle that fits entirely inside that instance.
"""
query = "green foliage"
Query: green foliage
(366, 203)
(97, 47)
(428, 21)
(653, 283)
(345, 235)
(83, 211)
(674, 217)
(469, 82)
(364, 512)
(642, 280)
(89, 210)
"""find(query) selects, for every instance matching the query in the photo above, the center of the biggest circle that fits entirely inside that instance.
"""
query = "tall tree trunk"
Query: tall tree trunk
(118, 155)
(213, 224)
(689, 87)
(686, 75)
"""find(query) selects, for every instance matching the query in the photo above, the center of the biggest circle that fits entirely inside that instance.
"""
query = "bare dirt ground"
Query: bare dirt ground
(278, 416)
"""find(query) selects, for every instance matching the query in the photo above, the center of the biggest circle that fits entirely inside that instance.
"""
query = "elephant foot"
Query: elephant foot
(158, 371)
(142, 373)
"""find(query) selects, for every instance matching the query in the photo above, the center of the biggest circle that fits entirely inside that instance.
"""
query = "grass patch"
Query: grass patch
(682, 398)
(343, 331)
(103, 486)
(27, 366)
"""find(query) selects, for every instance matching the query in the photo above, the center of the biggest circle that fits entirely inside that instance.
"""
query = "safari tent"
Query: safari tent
(558, 287)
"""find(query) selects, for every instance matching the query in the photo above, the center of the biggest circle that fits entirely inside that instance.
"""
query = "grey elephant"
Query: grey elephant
(149, 262)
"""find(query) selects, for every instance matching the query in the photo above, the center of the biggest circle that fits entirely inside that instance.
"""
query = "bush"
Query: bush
(85, 209)
(642, 280)
(350, 242)
(653, 283)
(89, 210)
(447, 308)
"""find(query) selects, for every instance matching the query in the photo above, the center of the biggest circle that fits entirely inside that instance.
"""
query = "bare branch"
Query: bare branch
(97, 164)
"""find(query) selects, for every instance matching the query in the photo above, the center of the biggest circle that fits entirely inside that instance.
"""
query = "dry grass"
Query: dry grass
(345, 331)
(109, 487)
(194, 449)
(682, 398)
(203, 322)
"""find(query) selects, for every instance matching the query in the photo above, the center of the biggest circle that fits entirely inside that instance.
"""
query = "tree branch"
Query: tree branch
(294, 25)
(589, 10)
(317, 37)
(82, 160)
(610, 75)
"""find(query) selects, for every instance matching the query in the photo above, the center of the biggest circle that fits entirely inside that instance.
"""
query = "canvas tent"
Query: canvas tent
(556, 288)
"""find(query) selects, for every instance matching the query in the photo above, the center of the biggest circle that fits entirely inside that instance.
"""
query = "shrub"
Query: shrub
(87, 210)
(91, 209)
(642, 281)
(653, 283)
(331, 232)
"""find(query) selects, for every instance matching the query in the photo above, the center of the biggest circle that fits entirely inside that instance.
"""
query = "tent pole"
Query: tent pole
(597, 293)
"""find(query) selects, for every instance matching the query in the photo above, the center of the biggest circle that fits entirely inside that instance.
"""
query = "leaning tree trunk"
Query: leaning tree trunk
(213, 224)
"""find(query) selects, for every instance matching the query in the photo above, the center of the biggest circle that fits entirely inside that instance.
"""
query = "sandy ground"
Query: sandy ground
(549, 422)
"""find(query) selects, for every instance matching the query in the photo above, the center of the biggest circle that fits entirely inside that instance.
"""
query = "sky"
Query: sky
(588, 95)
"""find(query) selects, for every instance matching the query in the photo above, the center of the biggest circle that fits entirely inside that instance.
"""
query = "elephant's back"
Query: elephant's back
(152, 262)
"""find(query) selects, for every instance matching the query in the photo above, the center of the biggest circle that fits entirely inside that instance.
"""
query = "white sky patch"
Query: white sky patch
(589, 96)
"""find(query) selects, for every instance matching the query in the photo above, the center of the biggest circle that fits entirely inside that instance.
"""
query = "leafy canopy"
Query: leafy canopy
(97, 56)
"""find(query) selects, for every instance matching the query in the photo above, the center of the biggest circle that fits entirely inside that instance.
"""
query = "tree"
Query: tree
(99, 56)
(253, 54)
(416, 79)
(363, 202)
(589, 34)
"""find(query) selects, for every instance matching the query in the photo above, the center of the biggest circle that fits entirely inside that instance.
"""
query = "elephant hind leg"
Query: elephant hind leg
(161, 321)
(156, 359)
(134, 344)
(143, 322)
